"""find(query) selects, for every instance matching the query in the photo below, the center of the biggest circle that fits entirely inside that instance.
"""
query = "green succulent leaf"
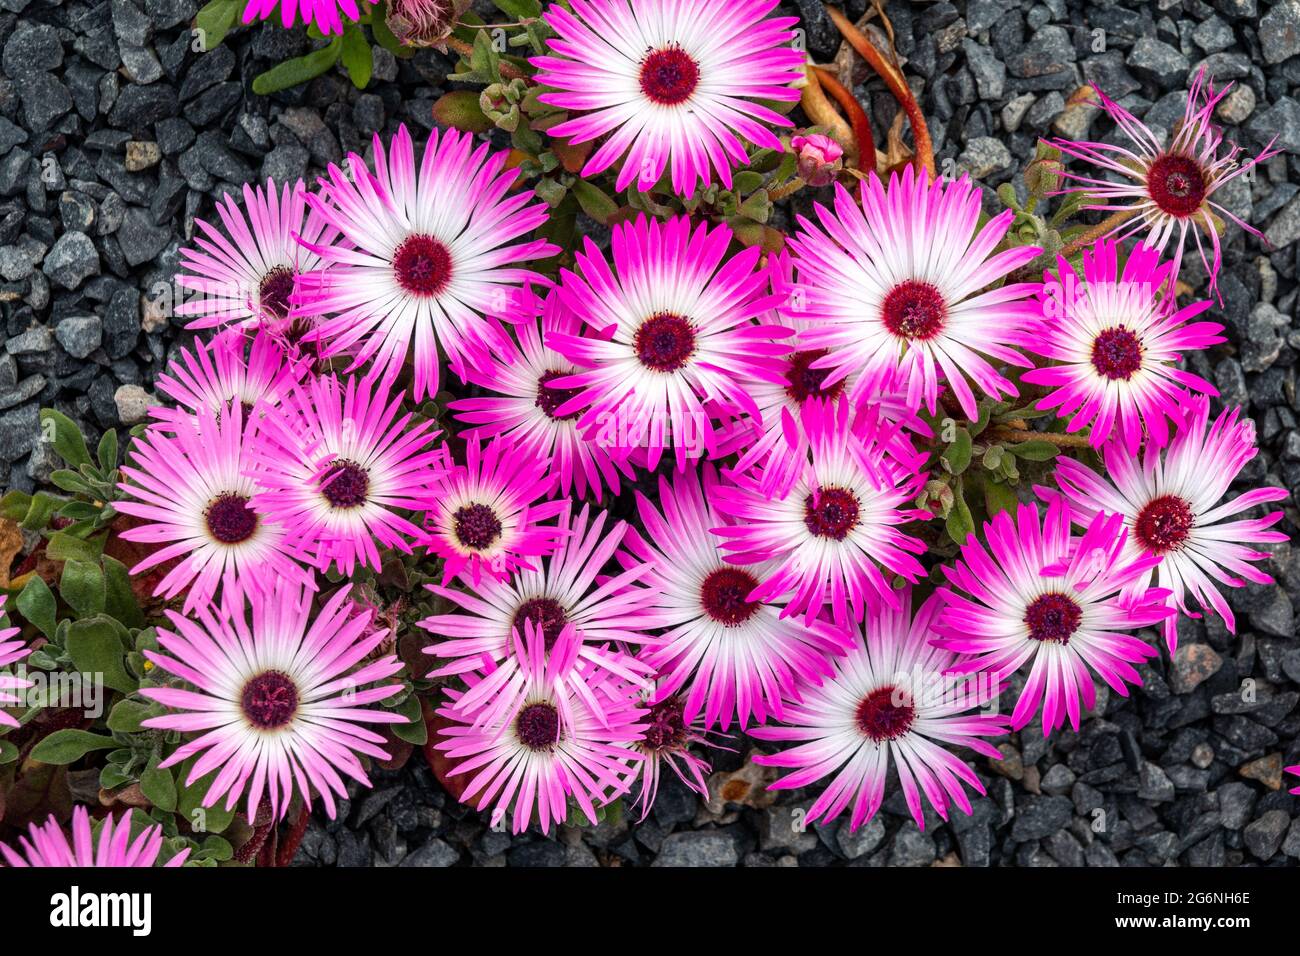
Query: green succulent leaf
(69, 745)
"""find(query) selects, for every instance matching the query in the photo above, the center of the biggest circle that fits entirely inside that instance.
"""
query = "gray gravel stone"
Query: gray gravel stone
(698, 848)
(80, 335)
(72, 260)
(1279, 31)
(1154, 60)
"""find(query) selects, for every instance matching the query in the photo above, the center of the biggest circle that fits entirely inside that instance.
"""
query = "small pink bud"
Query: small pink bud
(820, 158)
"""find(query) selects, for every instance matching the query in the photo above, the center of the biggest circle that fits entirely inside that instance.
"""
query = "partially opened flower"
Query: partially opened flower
(904, 290)
(890, 700)
(47, 844)
(1172, 502)
(669, 84)
(820, 158)
(434, 260)
(1115, 342)
(485, 516)
(673, 342)
(246, 272)
(563, 589)
(213, 375)
(192, 489)
(12, 650)
(730, 655)
(668, 739)
(278, 700)
(340, 466)
(1168, 189)
(550, 746)
(525, 408)
(838, 534)
(1036, 594)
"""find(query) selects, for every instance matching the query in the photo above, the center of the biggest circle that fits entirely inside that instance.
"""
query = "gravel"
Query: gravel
(115, 135)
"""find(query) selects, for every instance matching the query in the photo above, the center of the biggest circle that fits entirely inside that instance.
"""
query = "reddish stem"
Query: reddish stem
(294, 837)
(857, 118)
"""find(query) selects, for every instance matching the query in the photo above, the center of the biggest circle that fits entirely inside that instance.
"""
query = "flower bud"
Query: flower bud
(820, 158)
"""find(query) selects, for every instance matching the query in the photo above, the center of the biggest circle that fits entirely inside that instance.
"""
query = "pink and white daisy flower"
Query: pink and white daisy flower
(525, 410)
(889, 697)
(279, 700)
(780, 447)
(191, 486)
(245, 273)
(327, 15)
(337, 466)
(485, 517)
(673, 342)
(670, 84)
(12, 650)
(1168, 189)
(1116, 341)
(47, 844)
(550, 746)
(1037, 594)
(729, 653)
(900, 290)
(668, 739)
(1172, 504)
(213, 375)
(836, 535)
(433, 261)
(563, 589)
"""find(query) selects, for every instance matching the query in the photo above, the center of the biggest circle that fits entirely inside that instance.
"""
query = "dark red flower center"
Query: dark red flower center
(1053, 617)
(1176, 184)
(345, 484)
(476, 526)
(550, 398)
(665, 728)
(269, 700)
(230, 519)
(831, 513)
(274, 292)
(804, 380)
(885, 714)
(538, 726)
(723, 593)
(914, 310)
(1116, 353)
(664, 342)
(1164, 524)
(669, 76)
(546, 613)
(422, 265)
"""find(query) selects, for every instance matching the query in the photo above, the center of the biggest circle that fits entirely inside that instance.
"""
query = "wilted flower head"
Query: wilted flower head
(424, 22)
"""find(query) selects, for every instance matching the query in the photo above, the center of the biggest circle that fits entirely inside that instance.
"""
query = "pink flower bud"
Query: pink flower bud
(820, 158)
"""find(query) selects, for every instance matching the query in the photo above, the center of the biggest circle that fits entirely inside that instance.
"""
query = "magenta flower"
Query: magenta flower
(728, 652)
(668, 739)
(11, 652)
(1295, 770)
(433, 259)
(191, 486)
(338, 467)
(549, 746)
(1169, 188)
(1038, 594)
(247, 274)
(525, 410)
(326, 15)
(278, 701)
(1116, 342)
(672, 341)
(819, 158)
(836, 535)
(1172, 504)
(780, 446)
(904, 290)
(890, 697)
(563, 589)
(669, 84)
(484, 516)
(47, 844)
(213, 375)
